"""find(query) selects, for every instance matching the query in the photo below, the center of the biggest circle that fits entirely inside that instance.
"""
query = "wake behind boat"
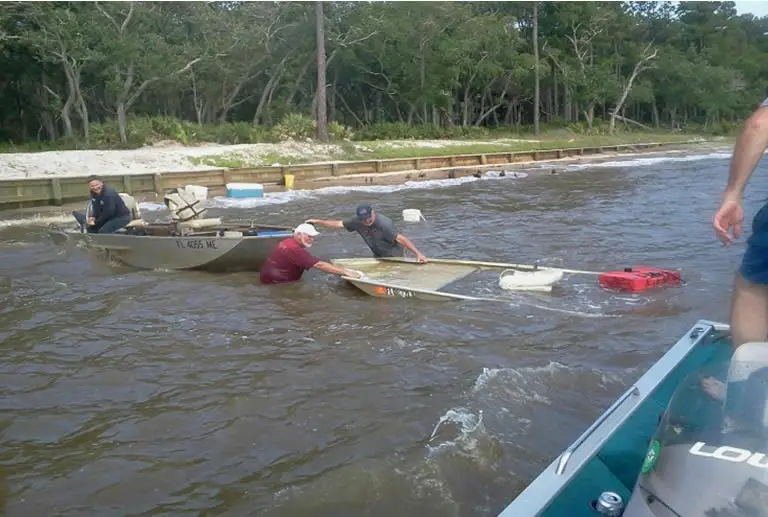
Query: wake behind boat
(188, 241)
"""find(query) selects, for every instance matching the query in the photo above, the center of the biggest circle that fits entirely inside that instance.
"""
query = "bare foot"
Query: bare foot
(714, 388)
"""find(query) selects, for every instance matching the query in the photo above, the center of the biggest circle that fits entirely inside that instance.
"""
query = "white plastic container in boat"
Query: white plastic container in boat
(536, 280)
(413, 215)
(245, 190)
(199, 193)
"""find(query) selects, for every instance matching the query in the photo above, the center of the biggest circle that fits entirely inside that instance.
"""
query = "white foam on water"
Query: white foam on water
(581, 314)
(511, 395)
(516, 380)
(37, 220)
(640, 162)
(459, 429)
(279, 198)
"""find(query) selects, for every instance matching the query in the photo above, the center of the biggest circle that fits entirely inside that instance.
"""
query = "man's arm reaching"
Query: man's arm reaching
(328, 223)
(330, 268)
(405, 241)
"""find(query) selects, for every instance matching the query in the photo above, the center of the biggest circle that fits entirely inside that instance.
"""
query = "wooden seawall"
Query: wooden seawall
(19, 193)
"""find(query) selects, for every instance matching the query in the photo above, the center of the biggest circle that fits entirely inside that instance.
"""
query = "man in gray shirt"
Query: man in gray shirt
(378, 232)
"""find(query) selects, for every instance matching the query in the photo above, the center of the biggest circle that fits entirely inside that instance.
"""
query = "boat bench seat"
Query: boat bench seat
(136, 222)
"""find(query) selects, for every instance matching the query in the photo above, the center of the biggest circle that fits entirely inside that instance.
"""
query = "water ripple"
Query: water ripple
(167, 393)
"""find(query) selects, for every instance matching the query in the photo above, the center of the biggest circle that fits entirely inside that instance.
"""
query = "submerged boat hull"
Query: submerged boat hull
(209, 251)
(405, 279)
(609, 455)
(402, 278)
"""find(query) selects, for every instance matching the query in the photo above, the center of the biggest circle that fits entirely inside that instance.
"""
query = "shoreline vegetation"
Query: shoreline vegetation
(131, 87)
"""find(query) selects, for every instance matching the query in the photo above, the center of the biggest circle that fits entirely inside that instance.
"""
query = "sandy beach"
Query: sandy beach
(173, 157)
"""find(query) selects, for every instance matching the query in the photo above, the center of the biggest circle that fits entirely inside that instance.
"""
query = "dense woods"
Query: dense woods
(95, 74)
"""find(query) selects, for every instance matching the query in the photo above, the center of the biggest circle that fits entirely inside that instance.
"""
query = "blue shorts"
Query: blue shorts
(754, 264)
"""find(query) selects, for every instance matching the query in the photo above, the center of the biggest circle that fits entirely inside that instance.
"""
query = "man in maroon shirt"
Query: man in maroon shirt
(290, 259)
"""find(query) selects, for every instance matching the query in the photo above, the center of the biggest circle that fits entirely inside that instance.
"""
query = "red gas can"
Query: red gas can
(639, 278)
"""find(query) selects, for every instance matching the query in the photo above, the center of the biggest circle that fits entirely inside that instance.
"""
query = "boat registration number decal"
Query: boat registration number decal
(402, 293)
(196, 244)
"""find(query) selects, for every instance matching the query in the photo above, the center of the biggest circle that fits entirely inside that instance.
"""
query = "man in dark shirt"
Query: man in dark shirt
(108, 210)
(290, 259)
(378, 231)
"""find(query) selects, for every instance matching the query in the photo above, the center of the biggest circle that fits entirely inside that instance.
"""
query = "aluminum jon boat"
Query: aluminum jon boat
(218, 247)
(395, 277)
(667, 446)
(188, 241)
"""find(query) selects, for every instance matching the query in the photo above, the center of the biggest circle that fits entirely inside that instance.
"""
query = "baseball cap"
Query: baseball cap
(364, 211)
(307, 228)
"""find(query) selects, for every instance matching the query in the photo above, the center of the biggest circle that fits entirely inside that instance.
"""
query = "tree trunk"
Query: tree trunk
(66, 116)
(555, 100)
(536, 88)
(322, 103)
(332, 101)
(46, 118)
(122, 121)
(589, 114)
(635, 72)
(423, 79)
(296, 85)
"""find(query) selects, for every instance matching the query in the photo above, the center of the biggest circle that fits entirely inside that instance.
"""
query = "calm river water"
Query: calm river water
(178, 394)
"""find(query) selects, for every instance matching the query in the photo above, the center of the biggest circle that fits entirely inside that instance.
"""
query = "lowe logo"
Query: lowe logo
(732, 454)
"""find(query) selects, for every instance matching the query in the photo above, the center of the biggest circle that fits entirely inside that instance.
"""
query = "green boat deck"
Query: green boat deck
(610, 454)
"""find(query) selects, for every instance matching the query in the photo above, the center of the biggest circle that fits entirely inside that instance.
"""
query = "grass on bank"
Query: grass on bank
(144, 130)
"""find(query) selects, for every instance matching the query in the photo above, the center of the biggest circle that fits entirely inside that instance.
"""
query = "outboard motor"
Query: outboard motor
(709, 457)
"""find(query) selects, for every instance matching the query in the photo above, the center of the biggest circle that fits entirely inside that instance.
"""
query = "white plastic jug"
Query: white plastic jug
(412, 215)
(539, 280)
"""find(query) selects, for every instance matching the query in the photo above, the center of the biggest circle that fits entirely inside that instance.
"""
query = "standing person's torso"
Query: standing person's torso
(380, 236)
(286, 263)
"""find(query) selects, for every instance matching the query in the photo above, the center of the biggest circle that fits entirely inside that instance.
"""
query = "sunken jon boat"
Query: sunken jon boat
(188, 241)
(667, 446)
(395, 277)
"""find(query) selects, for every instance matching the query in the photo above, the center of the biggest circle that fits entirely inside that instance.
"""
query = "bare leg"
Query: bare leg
(749, 312)
(749, 322)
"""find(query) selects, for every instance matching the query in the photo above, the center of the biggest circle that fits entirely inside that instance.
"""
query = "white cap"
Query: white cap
(306, 228)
